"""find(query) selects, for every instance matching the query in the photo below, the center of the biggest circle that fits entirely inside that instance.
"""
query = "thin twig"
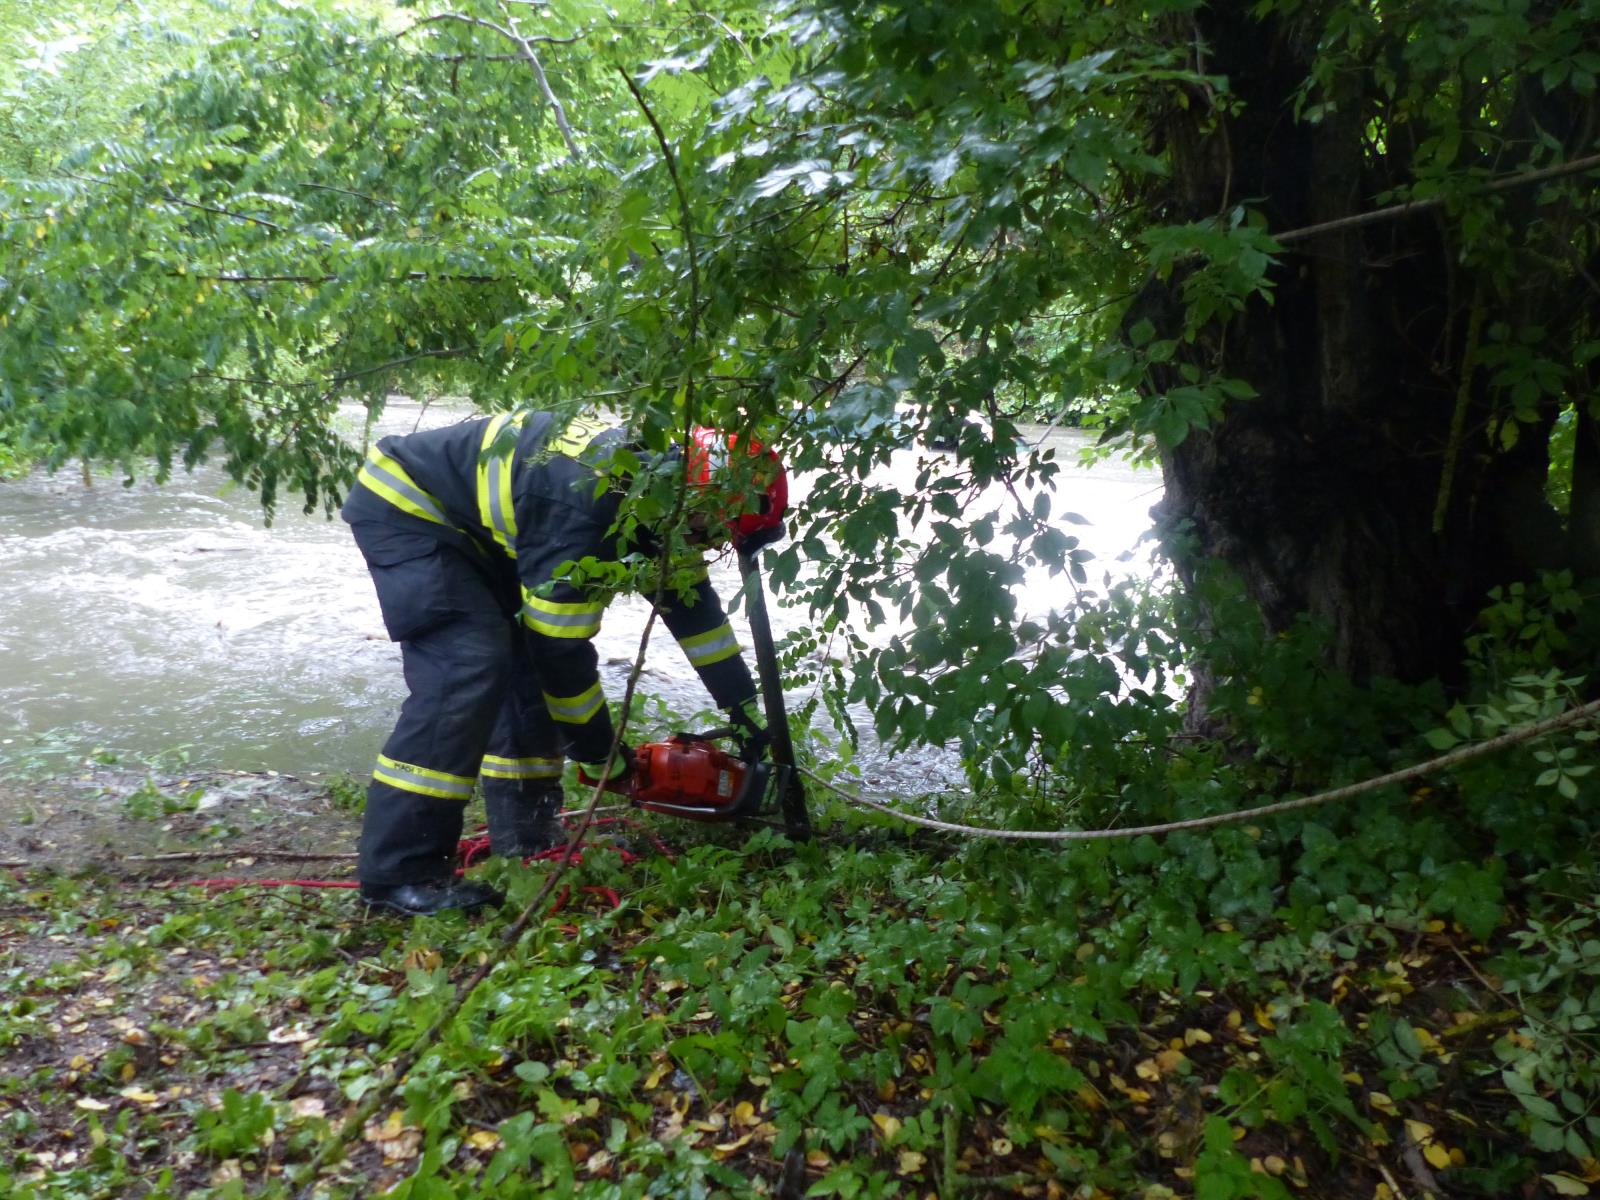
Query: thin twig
(525, 48)
(397, 362)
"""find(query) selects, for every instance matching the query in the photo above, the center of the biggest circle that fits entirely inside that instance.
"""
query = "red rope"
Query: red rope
(471, 850)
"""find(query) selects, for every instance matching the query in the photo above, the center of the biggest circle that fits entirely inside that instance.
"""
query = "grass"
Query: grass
(1286, 1011)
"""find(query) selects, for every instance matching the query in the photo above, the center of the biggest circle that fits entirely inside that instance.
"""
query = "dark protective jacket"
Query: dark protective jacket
(519, 492)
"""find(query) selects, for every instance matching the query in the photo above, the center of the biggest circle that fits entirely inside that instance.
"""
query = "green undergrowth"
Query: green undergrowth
(1386, 999)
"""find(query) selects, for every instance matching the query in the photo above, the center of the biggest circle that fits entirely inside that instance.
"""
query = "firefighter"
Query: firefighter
(470, 532)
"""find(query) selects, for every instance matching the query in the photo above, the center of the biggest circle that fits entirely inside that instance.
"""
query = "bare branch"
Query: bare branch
(458, 352)
(324, 187)
(171, 198)
(536, 40)
(525, 47)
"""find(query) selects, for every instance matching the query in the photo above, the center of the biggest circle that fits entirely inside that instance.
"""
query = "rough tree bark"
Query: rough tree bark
(1322, 493)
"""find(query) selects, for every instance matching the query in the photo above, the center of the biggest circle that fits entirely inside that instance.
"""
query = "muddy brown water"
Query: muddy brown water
(158, 619)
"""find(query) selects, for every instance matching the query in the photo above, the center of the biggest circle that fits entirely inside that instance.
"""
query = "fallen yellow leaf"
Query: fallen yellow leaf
(1169, 1060)
(910, 1162)
(728, 1148)
(887, 1125)
(1566, 1185)
(422, 959)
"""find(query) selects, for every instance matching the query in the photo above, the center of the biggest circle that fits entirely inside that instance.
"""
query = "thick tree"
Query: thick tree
(849, 226)
(1410, 369)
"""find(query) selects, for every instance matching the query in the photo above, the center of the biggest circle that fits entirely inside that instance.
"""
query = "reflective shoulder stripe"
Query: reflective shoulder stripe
(409, 777)
(575, 438)
(555, 618)
(386, 477)
(576, 710)
(495, 510)
(710, 647)
(495, 767)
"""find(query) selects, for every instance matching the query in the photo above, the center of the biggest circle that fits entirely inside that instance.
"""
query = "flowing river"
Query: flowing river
(158, 619)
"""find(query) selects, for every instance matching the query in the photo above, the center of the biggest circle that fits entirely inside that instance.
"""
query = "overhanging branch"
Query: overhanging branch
(524, 47)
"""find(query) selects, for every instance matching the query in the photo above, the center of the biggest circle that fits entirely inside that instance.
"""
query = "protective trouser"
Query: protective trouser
(474, 703)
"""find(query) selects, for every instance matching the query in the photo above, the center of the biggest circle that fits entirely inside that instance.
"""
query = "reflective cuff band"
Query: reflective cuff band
(710, 647)
(495, 767)
(495, 510)
(409, 777)
(576, 710)
(554, 618)
(386, 477)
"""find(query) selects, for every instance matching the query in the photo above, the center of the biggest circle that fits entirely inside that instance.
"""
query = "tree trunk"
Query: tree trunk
(1341, 491)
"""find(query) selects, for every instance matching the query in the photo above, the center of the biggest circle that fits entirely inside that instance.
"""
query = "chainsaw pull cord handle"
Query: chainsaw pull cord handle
(781, 745)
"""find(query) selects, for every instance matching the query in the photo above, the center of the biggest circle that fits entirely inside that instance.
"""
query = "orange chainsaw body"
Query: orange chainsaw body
(688, 777)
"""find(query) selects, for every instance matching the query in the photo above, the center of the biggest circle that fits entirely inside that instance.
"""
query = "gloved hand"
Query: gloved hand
(619, 781)
(750, 730)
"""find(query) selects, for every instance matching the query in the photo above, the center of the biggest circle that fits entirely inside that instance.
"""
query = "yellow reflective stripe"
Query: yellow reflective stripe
(575, 710)
(495, 510)
(712, 646)
(409, 777)
(388, 478)
(495, 767)
(556, 618)
(575, 438)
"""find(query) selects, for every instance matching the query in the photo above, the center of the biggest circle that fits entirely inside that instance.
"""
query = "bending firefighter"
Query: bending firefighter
(470, 532)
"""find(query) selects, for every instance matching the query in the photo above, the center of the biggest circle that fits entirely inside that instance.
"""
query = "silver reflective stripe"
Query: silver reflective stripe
(498, 521)
(494, 485)
(575, 710)
(411, 778)
(495, 767)
(566, 620)
(712, 646)
(394, 485)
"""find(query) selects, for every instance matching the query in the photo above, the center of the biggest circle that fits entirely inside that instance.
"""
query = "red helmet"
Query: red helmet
(752, 526)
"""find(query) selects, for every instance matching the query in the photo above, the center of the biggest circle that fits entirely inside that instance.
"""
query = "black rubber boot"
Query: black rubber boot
(522, 817)
(431, 898)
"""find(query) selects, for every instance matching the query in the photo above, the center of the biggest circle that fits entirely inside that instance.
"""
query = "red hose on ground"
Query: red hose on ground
(471, 850)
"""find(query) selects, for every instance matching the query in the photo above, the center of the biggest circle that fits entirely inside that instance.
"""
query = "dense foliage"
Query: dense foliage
(1381, 1001)
(851, 230)
(857, 230)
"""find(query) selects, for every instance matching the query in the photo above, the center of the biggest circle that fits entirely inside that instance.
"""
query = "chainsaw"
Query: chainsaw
(689, 775)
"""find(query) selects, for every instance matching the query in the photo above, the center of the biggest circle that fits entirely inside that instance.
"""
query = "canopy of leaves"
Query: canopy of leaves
(839, 226)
